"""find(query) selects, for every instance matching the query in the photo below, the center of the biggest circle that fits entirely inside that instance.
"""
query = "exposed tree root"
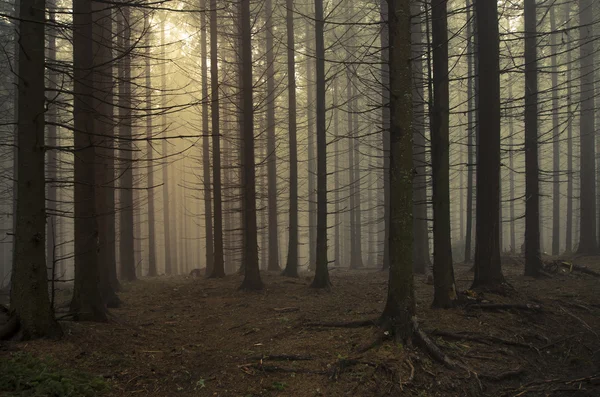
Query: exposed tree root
(431, 348)
(503, 376)
(501, 306)
(350, 324)
(485, 339)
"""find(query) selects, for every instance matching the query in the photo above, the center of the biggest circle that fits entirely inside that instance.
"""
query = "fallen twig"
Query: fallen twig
(580, 320)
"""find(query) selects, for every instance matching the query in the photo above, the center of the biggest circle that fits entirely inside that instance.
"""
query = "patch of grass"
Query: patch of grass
(279, 386)
(24, 375)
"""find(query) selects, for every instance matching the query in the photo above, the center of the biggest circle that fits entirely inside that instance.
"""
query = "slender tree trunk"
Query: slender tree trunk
(219, 265)
(355, 257)
(488, 270)
(400, 306)
(30, 304)
(587, 232)
(385, 127)
(569, 212)
(291, 268)
(126, 241)
(421, 260)
(252, 272)
(533, 262)
(321, 279)
(312, 189)
(443, 272)
(470, 131)
(105, 166)
(556, 140)
(208, 224)
(336, 132)
(87, 303)
(511, 160)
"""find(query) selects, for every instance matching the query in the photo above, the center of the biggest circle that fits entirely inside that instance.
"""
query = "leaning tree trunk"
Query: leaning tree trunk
(321, 279)
(488, 270)
(219, 265)
(252, 272)
(443, 272)
(587, 230)
(291, 268)
(31, 312)
(87, 303)
(400, 306)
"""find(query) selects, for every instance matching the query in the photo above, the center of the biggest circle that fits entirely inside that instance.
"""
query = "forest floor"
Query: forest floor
(198, 337)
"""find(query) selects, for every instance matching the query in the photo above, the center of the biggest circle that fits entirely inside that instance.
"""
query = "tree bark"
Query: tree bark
(30, 304)
(291, 268)
(488, 270)
(470, 131)
(87, 303)
(569, 212)
(385, 127)
(400, 305)
(443, 272)
(310, 114)
(321, 279)
(555, 139)
(252, 279)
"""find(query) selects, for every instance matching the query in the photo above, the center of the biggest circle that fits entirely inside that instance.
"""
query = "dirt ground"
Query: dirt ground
(198, 337)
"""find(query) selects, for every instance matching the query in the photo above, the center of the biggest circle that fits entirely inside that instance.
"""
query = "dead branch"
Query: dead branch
(583, 269)
(485, 339)
(502, 306)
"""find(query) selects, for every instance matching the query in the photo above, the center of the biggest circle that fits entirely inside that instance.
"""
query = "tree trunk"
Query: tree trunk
(470, 131)
(355, 257)
(385, 127)
(488, 270)
(252, 279)
(321, 279)
(30, 303)
(587, 231)
(443, 272)
(105, 165)
(569, 212)
(291, 268)
(219, 266)
(126, 240)
(310, 97)
(400, 306)
(208, 226)
(87, 303)
(511, 160)
(555, 138)
(533, 262)
(421, 259)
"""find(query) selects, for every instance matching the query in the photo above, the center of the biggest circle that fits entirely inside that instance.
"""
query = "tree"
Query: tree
(569, 209)
(321, 279)
(555, 137)
(470, 131)
(208, 226)
(385, 127)
(291, 268)
(400, 305)
(105, 167)
(443, 272)
(587, 231)
(87, 303)
(152, 268)
(252, 279)
(126, 241)
(310, 119)
(31, 313)
(533, 262)
(488, 270)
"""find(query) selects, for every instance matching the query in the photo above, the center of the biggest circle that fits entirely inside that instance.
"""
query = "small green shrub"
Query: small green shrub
(24, 375)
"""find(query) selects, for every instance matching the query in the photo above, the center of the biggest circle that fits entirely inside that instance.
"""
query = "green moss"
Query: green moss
(24, 375)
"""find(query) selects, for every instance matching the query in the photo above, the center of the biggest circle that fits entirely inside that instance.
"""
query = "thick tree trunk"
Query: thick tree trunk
(321, 279)
(252, 272)
(208, 224)
(105, 164)
(443, 272)
(219, 266)
(588, 244)
(488, 270)
(30, 304)
(400, 306)
(291, 268)
(126, 240)
(87, 303)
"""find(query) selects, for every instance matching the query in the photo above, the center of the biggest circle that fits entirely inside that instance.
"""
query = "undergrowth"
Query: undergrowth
(22, 374)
